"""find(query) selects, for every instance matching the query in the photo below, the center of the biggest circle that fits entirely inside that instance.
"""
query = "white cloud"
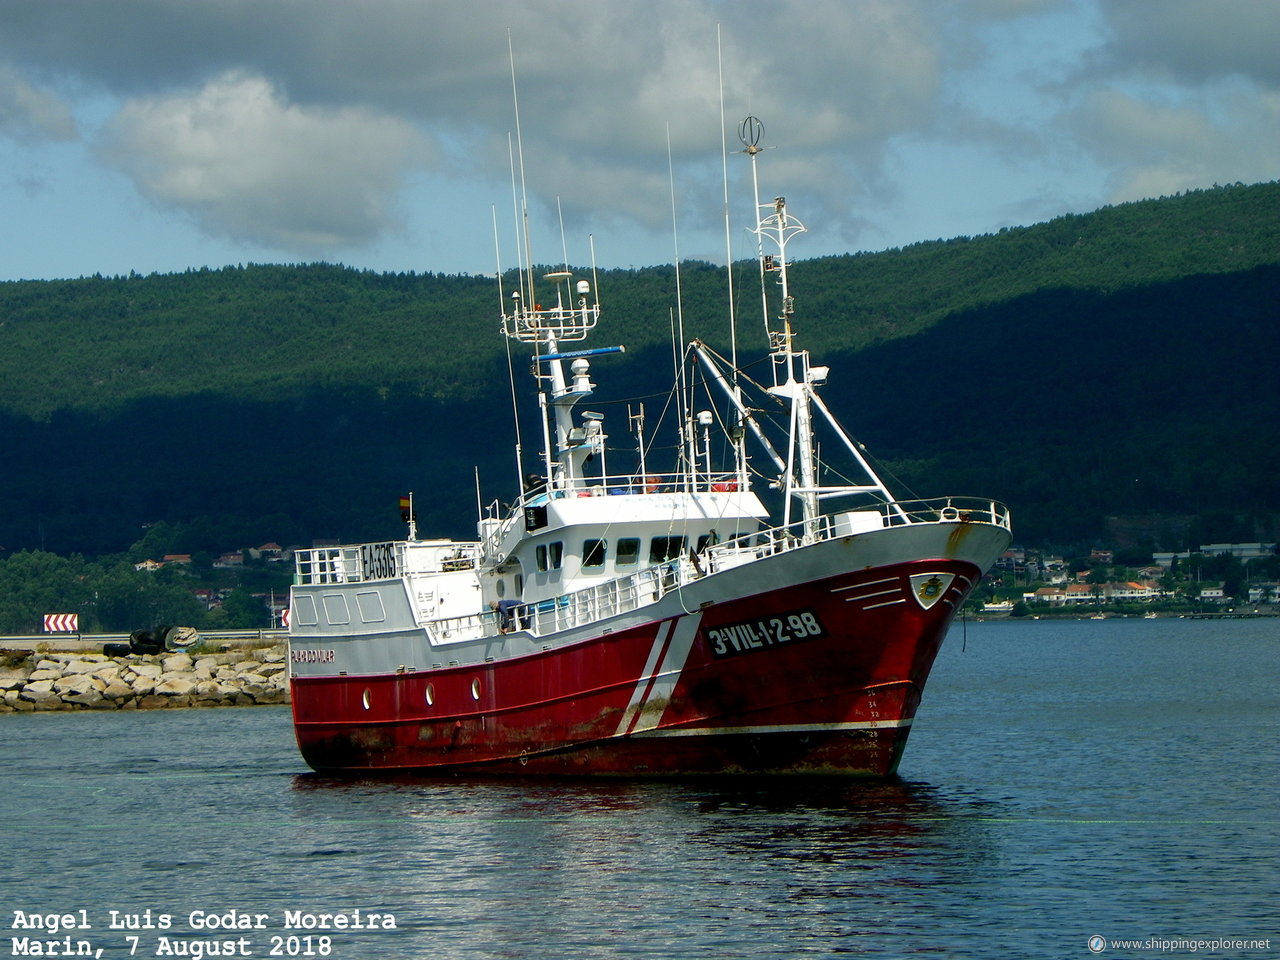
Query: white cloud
(245, 163)
(832, 81)
(28, 113)
(1155, 149)
(599, 84)
(1180, 95)
(315, 127)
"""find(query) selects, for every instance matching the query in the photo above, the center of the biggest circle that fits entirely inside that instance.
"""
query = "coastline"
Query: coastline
(1261, 612)
(75, 680)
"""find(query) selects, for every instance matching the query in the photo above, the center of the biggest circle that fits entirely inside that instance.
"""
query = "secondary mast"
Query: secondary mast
(565, 453)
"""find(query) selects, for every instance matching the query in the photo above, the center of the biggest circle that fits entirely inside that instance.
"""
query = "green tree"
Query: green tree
(243, 611)
(35, 583)
(128, 599)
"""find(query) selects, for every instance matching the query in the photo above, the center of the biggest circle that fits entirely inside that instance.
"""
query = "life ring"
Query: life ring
(950, 513)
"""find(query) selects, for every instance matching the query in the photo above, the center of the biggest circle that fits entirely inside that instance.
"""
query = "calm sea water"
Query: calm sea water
(1064, 780)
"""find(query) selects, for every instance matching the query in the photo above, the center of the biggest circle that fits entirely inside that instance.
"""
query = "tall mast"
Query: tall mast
(790, 367)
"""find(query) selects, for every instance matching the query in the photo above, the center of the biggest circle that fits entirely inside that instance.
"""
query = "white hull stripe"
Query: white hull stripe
(871, 596)
(646, 678)
(862, 586)
(775, 728)
(653, 690)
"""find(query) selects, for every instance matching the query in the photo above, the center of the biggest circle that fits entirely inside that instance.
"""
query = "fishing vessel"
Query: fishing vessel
(754, 606)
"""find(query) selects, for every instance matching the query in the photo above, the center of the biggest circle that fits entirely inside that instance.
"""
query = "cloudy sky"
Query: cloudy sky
(160, 135)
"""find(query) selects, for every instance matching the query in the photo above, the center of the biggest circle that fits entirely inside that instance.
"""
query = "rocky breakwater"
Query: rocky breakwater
(91, 681)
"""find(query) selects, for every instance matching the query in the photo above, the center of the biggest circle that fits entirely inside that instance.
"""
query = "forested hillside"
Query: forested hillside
(1114, 363)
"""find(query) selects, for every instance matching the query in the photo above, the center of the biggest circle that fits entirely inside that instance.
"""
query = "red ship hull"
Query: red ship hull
(819, 677)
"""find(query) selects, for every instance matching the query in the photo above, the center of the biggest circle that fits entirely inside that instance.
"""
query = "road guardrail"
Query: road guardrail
(74, 641)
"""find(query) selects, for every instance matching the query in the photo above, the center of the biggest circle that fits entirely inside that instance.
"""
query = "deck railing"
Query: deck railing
(625, 484)
(624, 594)
(612, 485)
(361, 562)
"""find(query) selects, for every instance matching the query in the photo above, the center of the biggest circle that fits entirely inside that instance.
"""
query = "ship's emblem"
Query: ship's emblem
(928, 588)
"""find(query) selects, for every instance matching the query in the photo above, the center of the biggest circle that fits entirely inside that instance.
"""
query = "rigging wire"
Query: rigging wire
(728, 238)
(511, 373)
(684, 405)
(524, 192)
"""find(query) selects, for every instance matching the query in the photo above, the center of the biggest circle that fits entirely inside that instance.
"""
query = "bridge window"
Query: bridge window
(593, 553)
(548, 556)
(628, 551)
(665, 548)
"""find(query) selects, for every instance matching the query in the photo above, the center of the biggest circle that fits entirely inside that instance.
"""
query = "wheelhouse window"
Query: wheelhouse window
(708, 540)
(628, 552)
(593, 552)
(662, 549)
(548, 556)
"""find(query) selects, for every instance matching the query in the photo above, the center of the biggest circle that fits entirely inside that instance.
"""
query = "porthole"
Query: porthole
(475, 689)
(431, 694)
(367, 698)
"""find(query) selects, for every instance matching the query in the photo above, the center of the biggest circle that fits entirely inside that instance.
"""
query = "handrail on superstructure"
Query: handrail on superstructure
(649, 585)
(364, 562)
(722, 481)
